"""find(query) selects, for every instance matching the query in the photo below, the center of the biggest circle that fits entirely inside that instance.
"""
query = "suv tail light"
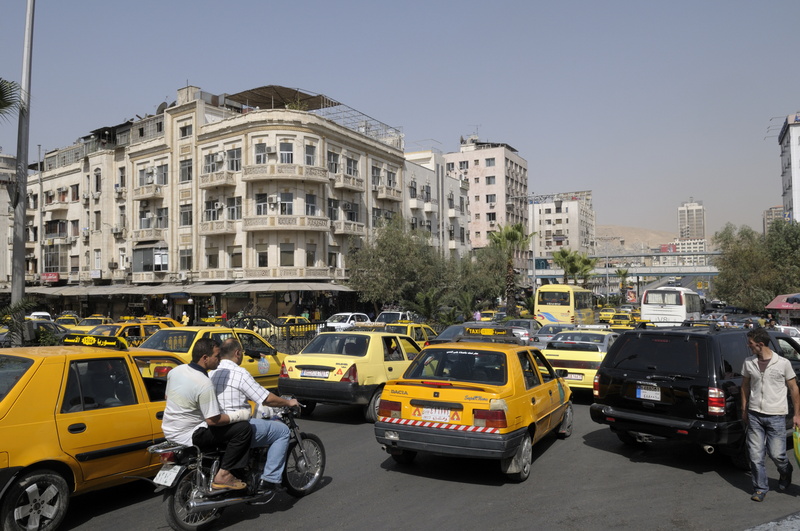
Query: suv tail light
(284, 373)
(389, 408)
(716, 401)
(596, 385)
(351, 376)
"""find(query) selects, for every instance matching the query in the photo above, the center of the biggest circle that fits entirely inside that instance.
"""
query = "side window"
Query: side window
(411, 348)
(788, 350)
(97, 384)
(418, 334)
(391, 349)
(545, 369)
(253, 345)
(733, 349)
(529, 373)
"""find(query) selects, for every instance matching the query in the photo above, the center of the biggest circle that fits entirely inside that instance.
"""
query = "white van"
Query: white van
(40, 315)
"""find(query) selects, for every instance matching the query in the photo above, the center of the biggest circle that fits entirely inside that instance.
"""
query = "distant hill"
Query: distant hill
(635, 238)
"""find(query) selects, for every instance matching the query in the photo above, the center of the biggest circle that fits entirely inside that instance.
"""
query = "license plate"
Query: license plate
(167, 475)
(436, 414)
(313, 373)
(648, 392)
(574, 376)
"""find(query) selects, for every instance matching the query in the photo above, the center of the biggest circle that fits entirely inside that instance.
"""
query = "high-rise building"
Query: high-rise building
(771, 214)
(788, 139)
(692, 220)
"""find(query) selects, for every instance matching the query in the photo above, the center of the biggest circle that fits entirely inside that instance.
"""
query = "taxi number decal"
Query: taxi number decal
(263, 365)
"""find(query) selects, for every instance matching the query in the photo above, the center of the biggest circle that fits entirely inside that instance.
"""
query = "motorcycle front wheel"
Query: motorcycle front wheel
(178, 498)
(304, 468)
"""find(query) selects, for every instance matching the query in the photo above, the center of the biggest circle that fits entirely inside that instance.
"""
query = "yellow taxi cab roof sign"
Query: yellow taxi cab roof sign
(487, 331)
(86, 340)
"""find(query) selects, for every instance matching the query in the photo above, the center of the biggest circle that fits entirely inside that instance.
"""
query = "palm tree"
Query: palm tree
(9, 98)
(585, 267)
(465, 304)
(623, 278)
(426, 304)
(510, 239)
(566, 260)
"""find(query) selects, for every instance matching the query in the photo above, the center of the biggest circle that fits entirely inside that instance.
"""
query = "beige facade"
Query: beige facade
(216, 188)
(563, 220)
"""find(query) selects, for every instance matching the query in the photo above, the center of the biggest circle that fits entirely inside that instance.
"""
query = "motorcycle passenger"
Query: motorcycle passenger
(193, 416)
(234, 387)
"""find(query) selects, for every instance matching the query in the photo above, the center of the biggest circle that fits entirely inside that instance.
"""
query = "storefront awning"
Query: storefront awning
(191, 288)
(784, 302)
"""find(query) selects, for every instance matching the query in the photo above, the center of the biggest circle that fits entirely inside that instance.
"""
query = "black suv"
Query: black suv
(680, 383)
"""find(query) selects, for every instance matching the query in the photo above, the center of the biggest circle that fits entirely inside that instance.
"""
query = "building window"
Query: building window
(333, 162)
(262, 205)
(477, 199)
(391, 179)
(287, 255)
(287, 153)
(186, 171)
(211, 211)
(162, 218)
(98, 259)
(463, 165)
(491, 217)
(262, 259)
(75, 192)
(186, 130)
(451, 166)
(185, 216)
(311, 155)
(490, 179)
(212, 162)
(311, 205)
(376, 175)
(261, 153)
(185, 259)
(311, 254)
(212, 259)
(489, 162)
(351, 167)
(162, 174)
(477, 180)
(235, 256)
(286, 204)
(98, 181)
(412, 190)
(234, 207)
(491, 198)
(332, 259)
(121, 177)
(235, 159)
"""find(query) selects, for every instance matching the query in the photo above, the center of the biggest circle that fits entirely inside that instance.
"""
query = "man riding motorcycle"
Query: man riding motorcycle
(193, 416)
(234, 386)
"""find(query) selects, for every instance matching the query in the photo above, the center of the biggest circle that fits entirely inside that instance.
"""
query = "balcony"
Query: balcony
(348, 227)
(218, 178)
(452, 245)
(279, 222)
(289, 273)
(452, 213)
(148, 234)
(148, 191)
(348, 182)
(415, 204)
(222, 226)
(218, 274)
(387, 192)
(285, 172)
(150, 276)
(56, 205)
(120, 193)
(430, 206)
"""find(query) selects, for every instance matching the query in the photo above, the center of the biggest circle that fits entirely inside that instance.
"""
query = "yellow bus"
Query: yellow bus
(563, 304)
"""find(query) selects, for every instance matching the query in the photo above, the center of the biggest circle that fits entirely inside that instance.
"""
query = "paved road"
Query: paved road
(589, 481)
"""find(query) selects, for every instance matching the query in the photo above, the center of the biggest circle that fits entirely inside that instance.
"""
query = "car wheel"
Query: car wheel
(404, 457)
(523, 459)
(308, 408)
(371, 411)
(565, 428)
(37, 500)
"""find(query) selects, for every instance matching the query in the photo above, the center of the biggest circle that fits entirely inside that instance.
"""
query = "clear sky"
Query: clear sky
(646, 103)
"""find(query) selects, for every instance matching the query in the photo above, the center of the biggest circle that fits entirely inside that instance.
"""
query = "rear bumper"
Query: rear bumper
(330, 392)
(439, 441)
(715, 433)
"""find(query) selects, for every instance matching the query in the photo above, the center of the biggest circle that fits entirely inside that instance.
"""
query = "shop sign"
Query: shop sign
(50, 277)
(236, 295)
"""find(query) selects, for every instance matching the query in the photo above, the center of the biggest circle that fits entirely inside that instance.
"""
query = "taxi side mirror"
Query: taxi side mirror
(562, 373)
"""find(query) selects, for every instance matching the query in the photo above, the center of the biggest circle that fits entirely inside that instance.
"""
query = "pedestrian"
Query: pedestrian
(305, 313)
(317, 315)
(185, 319)
(765, 380)
(476, 315)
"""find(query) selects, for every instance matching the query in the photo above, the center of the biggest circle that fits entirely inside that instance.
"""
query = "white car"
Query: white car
(345, 321)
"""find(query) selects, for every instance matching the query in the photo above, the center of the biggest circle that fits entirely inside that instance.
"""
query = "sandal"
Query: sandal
(236, 485)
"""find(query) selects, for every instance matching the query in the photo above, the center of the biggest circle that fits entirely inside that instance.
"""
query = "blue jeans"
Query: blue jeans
(274, 434)
(766, 434)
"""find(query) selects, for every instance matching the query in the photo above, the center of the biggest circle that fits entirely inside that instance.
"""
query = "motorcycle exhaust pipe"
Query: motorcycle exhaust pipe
(198, 506)
(708, 449)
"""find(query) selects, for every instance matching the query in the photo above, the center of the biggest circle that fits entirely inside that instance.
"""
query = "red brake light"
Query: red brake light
(716, 401)
(389, 408)
(596, 385)
(351, 375)
(168, 457)
(161, 371)
(284, 373)
(489, 418)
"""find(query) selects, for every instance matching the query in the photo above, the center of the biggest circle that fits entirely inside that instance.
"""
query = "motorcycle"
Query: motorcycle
(187, 474)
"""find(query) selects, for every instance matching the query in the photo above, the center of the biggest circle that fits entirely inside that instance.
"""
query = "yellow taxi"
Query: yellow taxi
(90, 322)
(67, 319)
(488, 315)
(74, 418)
(261, 359)
(134, 332)
(606, 314)
(580, 352)
(168, 321)
(622, 321)
(485, 396)
(349, 367)
(299, 326)
(421, 333)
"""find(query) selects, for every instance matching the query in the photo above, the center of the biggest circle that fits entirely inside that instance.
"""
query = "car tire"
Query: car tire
(308, 409)
(565, 427)
(371, 411)
(404, 457)
(43, 495)
(524, 458)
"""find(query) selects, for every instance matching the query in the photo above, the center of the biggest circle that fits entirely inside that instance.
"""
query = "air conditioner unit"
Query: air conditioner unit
(30, 223)
(149, 180)
(144, 203)
(118, 193)
(347, 206)
(272, 199)
(116, 230)
(374, 187)
(151, 170)
(269, 149)
(218, 205)
(491, 205)
(149, 215)
(219, 157)
(113, 265)
(181, 275)
(491, 223)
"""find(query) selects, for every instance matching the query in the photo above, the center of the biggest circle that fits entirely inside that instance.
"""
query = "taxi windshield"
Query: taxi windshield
(104, 330)
(11, 370)
(170, 339)
(345, 344)
(465, 365)
(338, 318)
(92, 321)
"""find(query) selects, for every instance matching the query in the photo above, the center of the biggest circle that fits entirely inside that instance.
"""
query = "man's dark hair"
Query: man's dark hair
(203, 347)
(759, 335)
(228, 348)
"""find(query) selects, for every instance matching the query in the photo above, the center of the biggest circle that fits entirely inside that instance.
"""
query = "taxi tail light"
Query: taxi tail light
(161, 371)
(284, 373)
(351, 376)
(489, 418)
(716, 401)
(389, 408)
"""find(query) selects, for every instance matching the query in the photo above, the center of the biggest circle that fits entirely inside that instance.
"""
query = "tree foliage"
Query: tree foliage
(9, 98)
(510, 240)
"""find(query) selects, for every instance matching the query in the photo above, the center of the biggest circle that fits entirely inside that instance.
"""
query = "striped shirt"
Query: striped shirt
(235, 386)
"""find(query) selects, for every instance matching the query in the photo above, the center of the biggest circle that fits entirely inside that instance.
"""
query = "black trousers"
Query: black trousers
(234, 439)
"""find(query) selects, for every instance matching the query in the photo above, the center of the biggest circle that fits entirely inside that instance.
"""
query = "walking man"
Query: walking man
(766, 377)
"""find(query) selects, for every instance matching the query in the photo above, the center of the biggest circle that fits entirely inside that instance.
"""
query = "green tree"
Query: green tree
(748, 275)
(426, 304)
(623, 278)
(529, 304)
(585, 271)
(9, 98)
(569, 261)
(511, 240)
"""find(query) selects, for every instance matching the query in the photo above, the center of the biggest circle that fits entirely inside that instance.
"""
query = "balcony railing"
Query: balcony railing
(280, 172)
(218, 178)
(148, 191)
(393, 194)
(223, 226)
(348, 182)
(280, 222)
(148, 234)
(348, 227)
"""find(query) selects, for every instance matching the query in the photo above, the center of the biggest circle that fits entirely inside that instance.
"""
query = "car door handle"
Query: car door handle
(551, 392)
(533, 400)
(77, 428)
(390, 369)
(160, 415)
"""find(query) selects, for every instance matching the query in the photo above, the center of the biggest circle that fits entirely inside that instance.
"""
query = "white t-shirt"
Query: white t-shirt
(190, 401)
(235, 386)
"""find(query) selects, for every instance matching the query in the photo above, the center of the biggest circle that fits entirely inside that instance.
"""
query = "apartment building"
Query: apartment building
(692, 219)
(789, 141)
(437, 202)
(769, 216)
(269, 184)
(563, 220)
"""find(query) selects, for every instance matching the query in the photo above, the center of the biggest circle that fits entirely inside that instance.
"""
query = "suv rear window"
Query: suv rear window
(665, 353)
(11, 370)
